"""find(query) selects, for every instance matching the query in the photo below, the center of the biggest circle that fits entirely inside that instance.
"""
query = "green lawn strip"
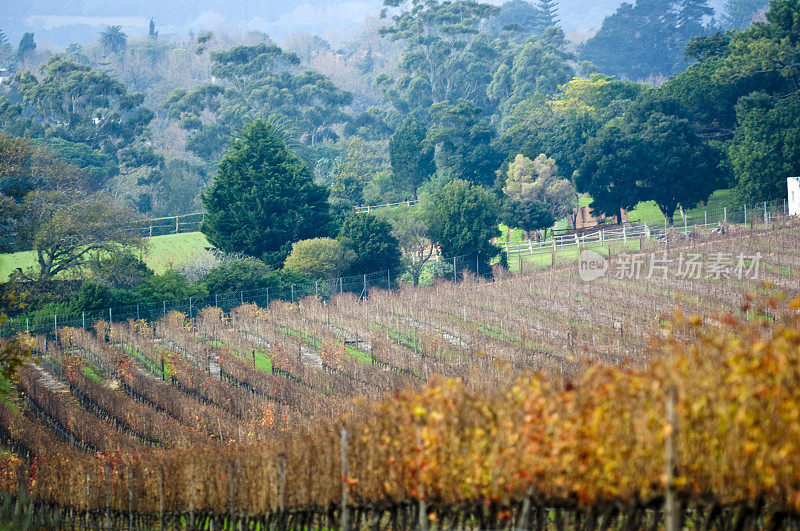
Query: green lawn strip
(172, 250)
(407, 341)
(91, 374)
(316, 344)
(263, 361)
(543, 315)
(544, 260)
(508, 234)
(644, 212)
(163, 253)
(358, 354)
(149, 364)
(7, 403)
(495, 333)
(7, 392)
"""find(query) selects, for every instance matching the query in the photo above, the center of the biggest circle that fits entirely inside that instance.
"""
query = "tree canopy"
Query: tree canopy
(372, 241)
(255, 81)
(113, 39)
(263, 198)
(659, 159)
(647, 38)
(86, 116)
(69, 232)
(538, 196)
(319, 258)
(463, 219)
(411, 157)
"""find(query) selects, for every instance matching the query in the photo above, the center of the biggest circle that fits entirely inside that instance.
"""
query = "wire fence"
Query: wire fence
(372, 208)
(707, 219)
(449, 269)
(171, 225)
(436, 269)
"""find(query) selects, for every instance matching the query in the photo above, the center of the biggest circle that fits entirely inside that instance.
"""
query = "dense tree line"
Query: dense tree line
(483, 113)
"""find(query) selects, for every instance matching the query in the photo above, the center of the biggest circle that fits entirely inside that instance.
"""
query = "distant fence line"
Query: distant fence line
(191, 222)
(171, 224)
(361, 285)
(371, 208)
(436, 268)
(707, 219)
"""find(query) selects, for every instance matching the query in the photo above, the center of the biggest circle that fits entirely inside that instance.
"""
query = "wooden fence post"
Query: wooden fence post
(129, 473)
(89, 499)
(161, 497)
(231, 495)
(108, 496)
(344, 517)
(670, 514)
(191, 497)
(282, 482)
(423, 509)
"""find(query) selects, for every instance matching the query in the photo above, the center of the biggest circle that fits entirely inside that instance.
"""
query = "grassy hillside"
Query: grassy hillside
(162, 252)
(646, 211)
(177, 249)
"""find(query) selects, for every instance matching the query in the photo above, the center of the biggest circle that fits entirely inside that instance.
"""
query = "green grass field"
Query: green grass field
(162, 253)
(646, 211)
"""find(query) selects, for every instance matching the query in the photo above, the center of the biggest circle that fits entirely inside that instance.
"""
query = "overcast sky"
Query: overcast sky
(61, 22)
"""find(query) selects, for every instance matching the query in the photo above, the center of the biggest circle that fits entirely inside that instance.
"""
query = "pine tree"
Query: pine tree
(739, 14)
(411, 157)
(692, 12)
(26, 46)
(152, 33)
(263, 198)
(548, 10)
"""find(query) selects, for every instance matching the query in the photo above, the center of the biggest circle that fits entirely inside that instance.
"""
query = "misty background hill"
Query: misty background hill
(63, 22)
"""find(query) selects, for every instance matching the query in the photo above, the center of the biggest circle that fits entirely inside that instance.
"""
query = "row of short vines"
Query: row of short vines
(596, 441)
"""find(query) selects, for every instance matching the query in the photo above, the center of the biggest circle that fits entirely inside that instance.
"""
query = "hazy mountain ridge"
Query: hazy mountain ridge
(64, 22)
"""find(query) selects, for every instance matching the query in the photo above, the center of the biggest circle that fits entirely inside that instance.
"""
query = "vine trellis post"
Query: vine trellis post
(344, 517)
(670, 506)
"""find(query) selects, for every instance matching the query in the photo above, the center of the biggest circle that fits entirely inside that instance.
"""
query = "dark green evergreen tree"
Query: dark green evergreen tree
(766, 147)
(411, 157)
(548, 13)
(264, 199)
(26, 46)
(647, 38)
(465, 141)
(739, 14)
(372, 241)
(463, 219)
